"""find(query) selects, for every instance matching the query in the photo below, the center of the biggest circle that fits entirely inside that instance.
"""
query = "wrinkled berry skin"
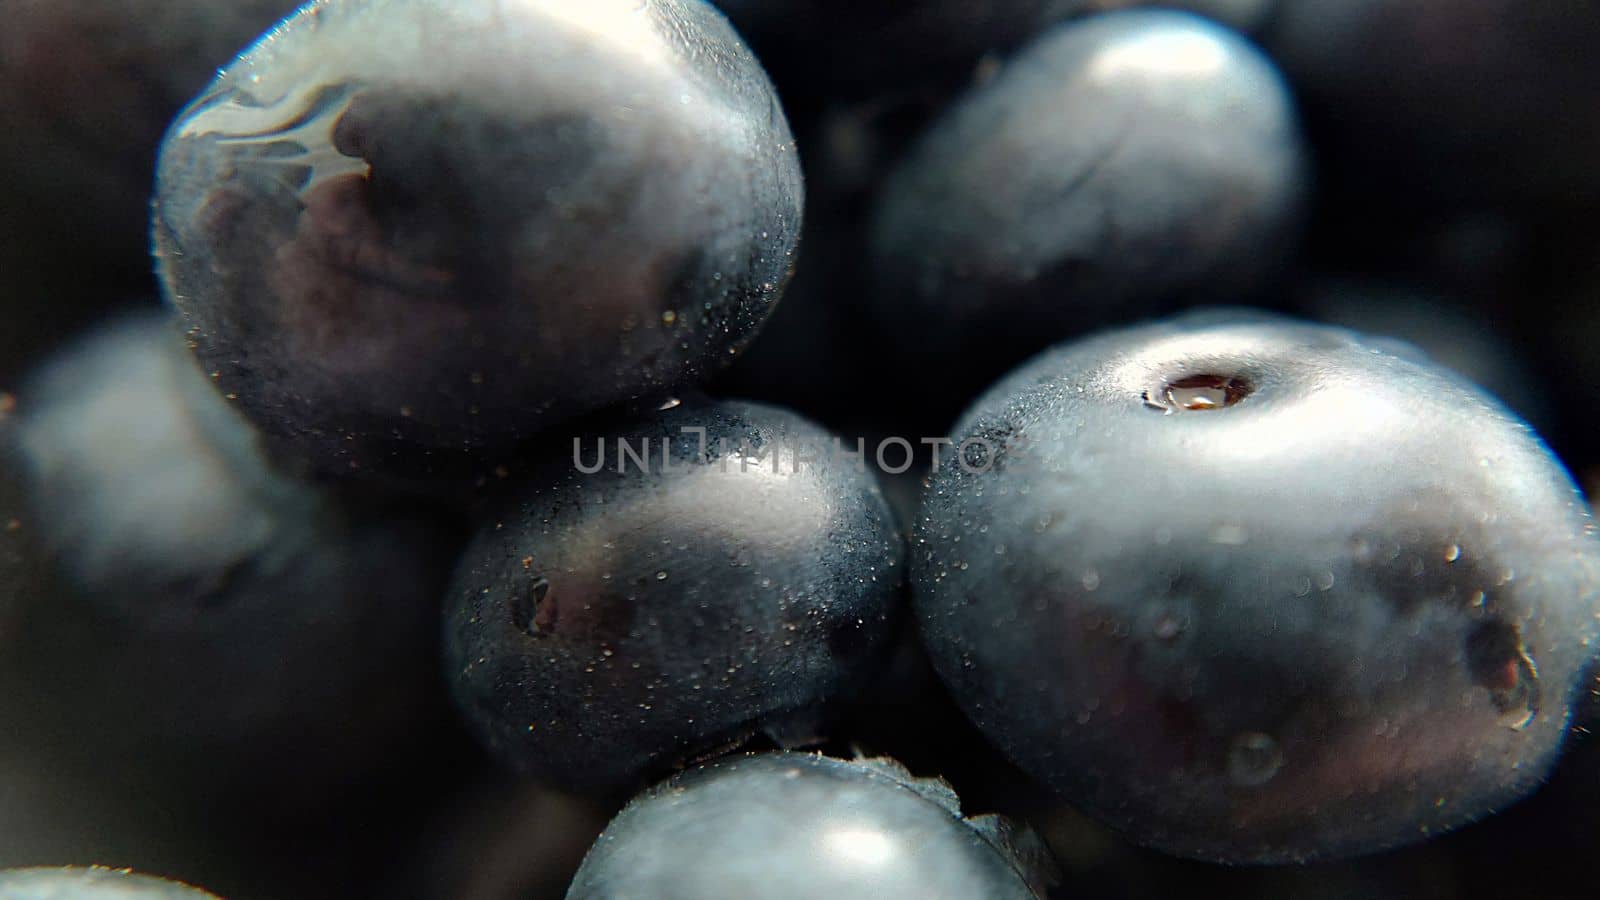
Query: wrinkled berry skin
(1114, 167)
(1342, 613)
(181, 607)
(398, 229)
(72, 883)
(604, 626)
(792, 826)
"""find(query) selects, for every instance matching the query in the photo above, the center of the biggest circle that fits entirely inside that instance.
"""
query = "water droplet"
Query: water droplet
(530, 612)
(1230, 535)
(669, 317)
(1200, 392)
(1254, 759)
(1168, 627)
(671, 403)
(661, 576)
(1498, 661)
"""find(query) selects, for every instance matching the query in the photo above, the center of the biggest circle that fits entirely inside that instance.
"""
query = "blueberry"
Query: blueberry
(72, 883)
(185, 608)
(398, 229)
(791, 825)
(1115, 166)
(603, 626)
(1254, 591)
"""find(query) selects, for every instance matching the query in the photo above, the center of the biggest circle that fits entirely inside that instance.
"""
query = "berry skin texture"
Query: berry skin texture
(791, 826)
(94, 883)
(1258, 591)
(603, 627)
(1113, 167)
(405, 229)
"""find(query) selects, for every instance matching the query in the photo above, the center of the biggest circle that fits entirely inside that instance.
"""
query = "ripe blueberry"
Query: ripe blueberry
(404, 229)
(1253, 590)
(603, 626)
(1113, 167)
(791, 825)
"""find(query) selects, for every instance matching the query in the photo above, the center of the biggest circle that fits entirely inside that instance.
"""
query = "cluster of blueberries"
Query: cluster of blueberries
(432, 452)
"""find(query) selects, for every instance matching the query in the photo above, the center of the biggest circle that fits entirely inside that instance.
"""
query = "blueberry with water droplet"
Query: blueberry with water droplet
(91, 883)
(788, 826)
(403, 231)
(1270, 592)
(718, 572)
(1116, 166)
